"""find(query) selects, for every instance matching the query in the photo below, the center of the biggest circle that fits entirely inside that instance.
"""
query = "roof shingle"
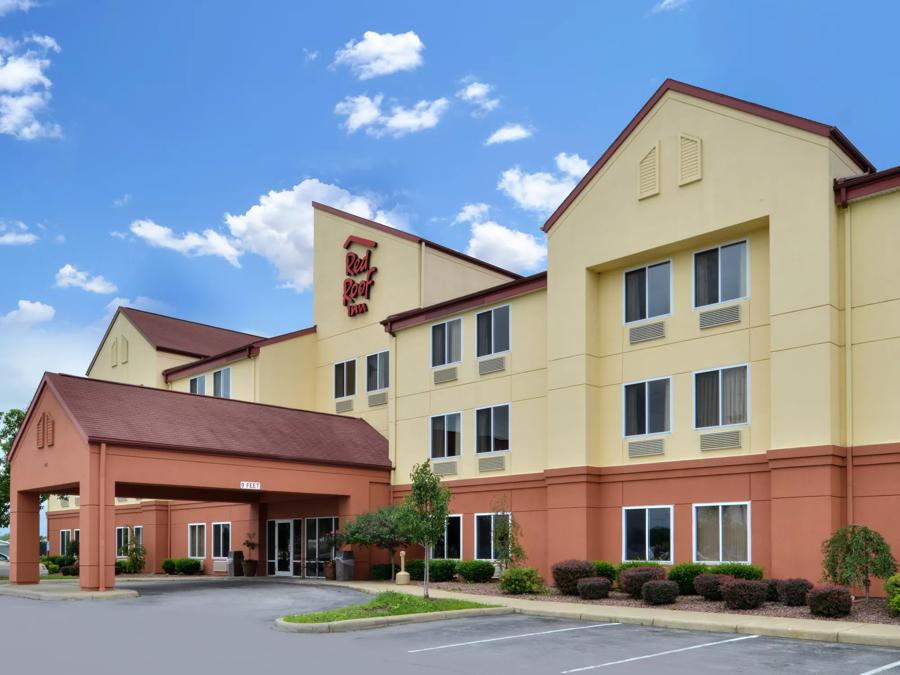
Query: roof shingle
(169, 334)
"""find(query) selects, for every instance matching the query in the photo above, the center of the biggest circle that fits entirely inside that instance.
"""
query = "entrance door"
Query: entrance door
(319, 544)
(283, 547)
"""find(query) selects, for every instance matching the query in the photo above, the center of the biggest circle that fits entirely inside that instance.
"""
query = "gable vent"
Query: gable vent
(40, 430)
(648, 174)
(123, 349)
(690, 160)
(49, 429)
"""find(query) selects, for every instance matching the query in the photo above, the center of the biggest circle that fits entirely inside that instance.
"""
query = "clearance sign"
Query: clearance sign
(359, 275)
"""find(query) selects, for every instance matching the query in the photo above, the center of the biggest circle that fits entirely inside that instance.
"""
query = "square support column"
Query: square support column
(25, 509)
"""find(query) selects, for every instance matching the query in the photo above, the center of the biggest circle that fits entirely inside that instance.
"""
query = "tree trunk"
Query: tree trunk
(866, 583)
(427, 565)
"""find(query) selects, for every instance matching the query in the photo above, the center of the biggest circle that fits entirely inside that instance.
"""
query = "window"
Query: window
(345, 379)
(484, 535)
(197, 540)
(720, 274)
(122, 537)
(76, 536)
(222, 383)
(722, 532)
(647, 533)
(492, 429)
(65, 536)
(720, 397)
(446, 440)
(450, 545)
(138, 534)
(377, 366)
(446, 343)
(221, 539)
(198, 385)
(647, 407)
(493, 331)
(648, 292)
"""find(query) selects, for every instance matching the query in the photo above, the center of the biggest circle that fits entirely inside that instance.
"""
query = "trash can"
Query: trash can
(235, 558)
(345, 566)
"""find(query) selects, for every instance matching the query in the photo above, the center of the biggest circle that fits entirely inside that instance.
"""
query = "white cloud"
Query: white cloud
(122, 201)
(140, 302)
(28, 313)
(509, 133)
(506, 247)
(363, 112)
(209, 242)
(25, 87)
(8, 6)
(542, 192)
(310, 55)
(478, 94)
(381, 54)
(471, 213)
(16, 235)
(572, 165)
(70, 276)
(669, 5)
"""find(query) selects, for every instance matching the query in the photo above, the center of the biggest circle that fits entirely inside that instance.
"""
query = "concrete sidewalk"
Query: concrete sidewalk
(62, 590)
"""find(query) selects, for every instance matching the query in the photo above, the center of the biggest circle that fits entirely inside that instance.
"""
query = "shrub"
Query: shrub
(605, 569)
(121, 566)
(892, 586)
(567, 573)
(894, 605)
(660, 592)
(416, 569)
(829, 601)
(57, 560)
(382, 572)
(188, 566)
(441, 570)
(519, 580)
(855, 554)
(65, 570)
(168, 566)
(744, 593)
(594, 588)
(684, 575)
(739, 570)
(632, 579)
(772, 595)
(792, 592)
(710, 585)
(475, 571)
(52, 568)
(632, 564)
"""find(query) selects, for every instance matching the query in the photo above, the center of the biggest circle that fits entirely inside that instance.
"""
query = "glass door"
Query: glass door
(283, 547)
(319, 544)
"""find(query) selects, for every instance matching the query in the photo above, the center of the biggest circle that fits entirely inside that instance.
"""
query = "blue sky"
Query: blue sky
(130, 131)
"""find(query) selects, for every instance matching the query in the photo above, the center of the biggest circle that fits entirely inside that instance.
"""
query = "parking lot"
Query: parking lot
(226, 628)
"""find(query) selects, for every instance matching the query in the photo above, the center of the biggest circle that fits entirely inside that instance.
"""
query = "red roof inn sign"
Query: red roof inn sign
(360, 273)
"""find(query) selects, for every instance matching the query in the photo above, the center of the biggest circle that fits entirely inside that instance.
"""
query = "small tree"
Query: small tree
(383, 528)
(137, 555)
(424, 514)
(251, 544)
(854, 554)
(10, 422)
(507, 531)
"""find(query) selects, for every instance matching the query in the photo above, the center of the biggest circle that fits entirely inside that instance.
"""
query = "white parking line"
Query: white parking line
(650, 656)
(883, 669)
(510, 637)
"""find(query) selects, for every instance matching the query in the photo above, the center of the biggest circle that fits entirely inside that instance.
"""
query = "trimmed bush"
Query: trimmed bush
(792, 592)
(442, 570)
(57, 560)
(894, 605)
(684, 575)
(892, 586)
(416, 569)
(121, 566)
(710, 585)
(605, 569)
(739, 570)
(744, 593)
(168, 566)
(381, 572)
(567, 573)
(632, 564)
(660, 592)
(772, 595)
(632, 579)
(188, 566)
(475, 571)
(520, 580)
(65, 570)
(594, 588)
(829, 601)
(52, 568)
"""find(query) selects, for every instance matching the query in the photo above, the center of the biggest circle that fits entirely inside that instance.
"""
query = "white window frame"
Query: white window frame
(694, 507)
(647, 408)
(746, 296)
(646, 509)
(196, 557)
(76, 537)
(213, 530)
(655, 317)
(377, 370)
(200, 379)
(493, 353)
(508, 404)
(68, 538)
(222, 370)
(462, 521)
(431, 439)
(462, 342)
(355, 379)
(694, 397)
(493, 557)
(139, 540)
(121, 528)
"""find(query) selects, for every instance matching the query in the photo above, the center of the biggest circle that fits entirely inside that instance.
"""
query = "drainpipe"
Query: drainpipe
(848, 360)
(102, 537)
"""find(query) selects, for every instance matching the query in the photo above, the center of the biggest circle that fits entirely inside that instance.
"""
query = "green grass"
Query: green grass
(389, 603)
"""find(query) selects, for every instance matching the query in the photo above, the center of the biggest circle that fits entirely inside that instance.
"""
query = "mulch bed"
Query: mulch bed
(871, 611)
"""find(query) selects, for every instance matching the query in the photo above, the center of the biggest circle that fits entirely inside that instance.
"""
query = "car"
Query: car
(4, 566)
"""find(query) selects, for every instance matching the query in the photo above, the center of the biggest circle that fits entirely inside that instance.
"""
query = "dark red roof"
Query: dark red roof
(190, 338)
(850, 188)
(124, 414)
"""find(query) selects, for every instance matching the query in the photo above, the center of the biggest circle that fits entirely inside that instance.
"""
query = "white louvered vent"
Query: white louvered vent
(496, 463)
(647, 331)
(690, 159)
(494, 365)
(378, 399)
(648, 174)
(653, 446)
(721, 440)
(343, 406)
(720, 317)
(445, 375)
(444, 468)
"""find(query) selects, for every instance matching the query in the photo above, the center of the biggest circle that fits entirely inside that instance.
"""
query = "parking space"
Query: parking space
(226, 627)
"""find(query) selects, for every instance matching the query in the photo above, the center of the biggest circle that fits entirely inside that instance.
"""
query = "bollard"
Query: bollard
(402, 576)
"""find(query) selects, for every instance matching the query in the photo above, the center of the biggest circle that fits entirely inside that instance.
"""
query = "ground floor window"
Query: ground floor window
(647, 533)
(197, 540)
(450, 545)
(122, 537)
(138, 535)
(722, 532)
(485, 523)
(65, 536)
(221, 539)
(77, 539)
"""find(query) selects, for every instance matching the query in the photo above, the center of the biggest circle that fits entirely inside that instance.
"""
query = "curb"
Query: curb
(73, 596)
(383, 621)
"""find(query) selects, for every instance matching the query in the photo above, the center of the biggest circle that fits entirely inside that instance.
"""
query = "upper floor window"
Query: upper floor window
(720, 274)
(198, 385)
(647, 407)
(446, 342)
(222, 383)
(446, 439)
(493, 331)
(345, 379)
(492, 429)
(648, 292)
(720, 397)
(377, 366)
